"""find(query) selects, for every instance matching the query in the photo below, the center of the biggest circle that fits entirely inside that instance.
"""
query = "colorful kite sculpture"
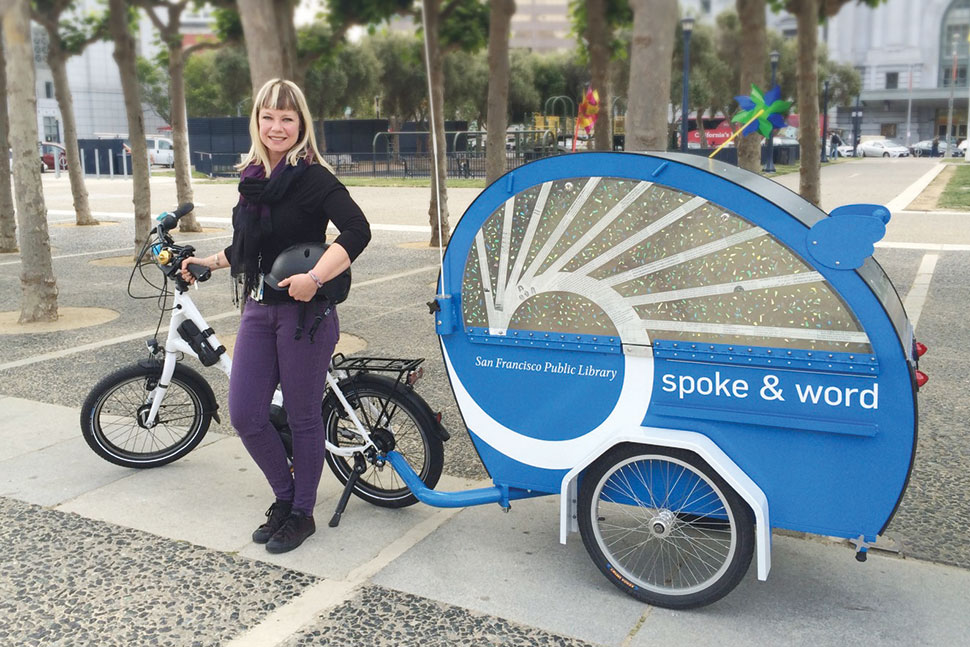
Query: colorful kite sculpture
(588, 112)
(759, 113)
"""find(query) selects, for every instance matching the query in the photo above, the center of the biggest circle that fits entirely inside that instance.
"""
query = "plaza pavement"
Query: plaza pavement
(101, 555)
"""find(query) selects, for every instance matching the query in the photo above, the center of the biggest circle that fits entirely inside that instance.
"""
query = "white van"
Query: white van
(160, 151)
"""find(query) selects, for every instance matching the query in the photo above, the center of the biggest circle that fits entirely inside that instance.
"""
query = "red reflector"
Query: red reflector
(921, 378)
(437, 417)
(920, 349)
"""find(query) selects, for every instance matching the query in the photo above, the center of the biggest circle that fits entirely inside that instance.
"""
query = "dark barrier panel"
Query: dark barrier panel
(103, 156)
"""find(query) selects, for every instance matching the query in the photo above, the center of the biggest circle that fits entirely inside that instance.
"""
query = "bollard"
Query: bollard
(111, 164)
(97, 163)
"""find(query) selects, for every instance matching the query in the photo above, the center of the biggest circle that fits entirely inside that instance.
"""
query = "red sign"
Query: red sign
(715, 136)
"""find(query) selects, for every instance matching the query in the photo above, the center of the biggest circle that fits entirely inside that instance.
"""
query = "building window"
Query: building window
(706, 6)
(51, 130)
(49, 89)
(887, 130)
(953, 43)
(892, 80)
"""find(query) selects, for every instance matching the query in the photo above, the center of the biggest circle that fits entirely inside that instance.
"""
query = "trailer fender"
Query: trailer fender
(701, 445)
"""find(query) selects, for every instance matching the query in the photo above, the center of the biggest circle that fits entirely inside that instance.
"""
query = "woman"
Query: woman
(287, 196)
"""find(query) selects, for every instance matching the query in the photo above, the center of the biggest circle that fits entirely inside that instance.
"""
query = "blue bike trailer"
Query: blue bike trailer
(598, 301)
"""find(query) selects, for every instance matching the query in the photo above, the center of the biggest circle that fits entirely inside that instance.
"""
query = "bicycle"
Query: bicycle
(156, 411)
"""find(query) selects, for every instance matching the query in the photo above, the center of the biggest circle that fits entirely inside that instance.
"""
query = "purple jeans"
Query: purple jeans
(267, 354)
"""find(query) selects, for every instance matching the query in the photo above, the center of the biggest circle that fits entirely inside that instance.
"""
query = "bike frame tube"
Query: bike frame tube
(185, 309)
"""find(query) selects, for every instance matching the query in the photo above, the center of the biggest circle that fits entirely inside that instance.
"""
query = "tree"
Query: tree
(217, 83)
(499, 21)
(270, 39)
(808, 14)
(349, 79)
(651, 51)
(120, 18)
(751, 56)
(438, 209)
(598, 37)
(170, 31)
(68, 37)
(39, 296)
(8, 222)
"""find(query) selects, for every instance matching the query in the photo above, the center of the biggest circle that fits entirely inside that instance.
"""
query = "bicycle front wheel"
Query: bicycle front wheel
(384, 406)
(113, 418)
(664, 527)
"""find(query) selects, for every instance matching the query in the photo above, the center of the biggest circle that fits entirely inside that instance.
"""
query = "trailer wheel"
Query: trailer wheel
(664, 527)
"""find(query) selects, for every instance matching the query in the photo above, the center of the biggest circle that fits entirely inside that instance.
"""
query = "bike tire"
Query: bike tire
(111, 424)
(408, 421)
(663, 527)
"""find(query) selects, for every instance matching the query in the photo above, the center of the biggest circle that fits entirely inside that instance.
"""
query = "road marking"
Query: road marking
(102, 252)
(918, 292)
(911, 192)
(144, 334)
(926, 247)
(286, 620)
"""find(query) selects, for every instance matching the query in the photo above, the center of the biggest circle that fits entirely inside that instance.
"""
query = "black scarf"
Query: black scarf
(251, 220)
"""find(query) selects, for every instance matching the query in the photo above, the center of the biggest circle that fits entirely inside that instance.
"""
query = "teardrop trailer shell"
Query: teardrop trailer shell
(605, 314)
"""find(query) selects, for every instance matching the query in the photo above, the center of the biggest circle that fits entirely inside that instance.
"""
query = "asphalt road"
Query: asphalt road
(393, 280)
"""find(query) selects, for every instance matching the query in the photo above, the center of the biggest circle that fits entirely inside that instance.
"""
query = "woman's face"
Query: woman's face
(278, 130)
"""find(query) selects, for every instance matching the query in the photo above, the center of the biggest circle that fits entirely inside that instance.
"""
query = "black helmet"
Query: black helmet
(300, 259)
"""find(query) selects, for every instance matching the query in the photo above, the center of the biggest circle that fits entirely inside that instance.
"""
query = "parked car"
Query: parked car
(160, 151)
(845, 150)
(924, 148)
(882, 148)
(51, 154)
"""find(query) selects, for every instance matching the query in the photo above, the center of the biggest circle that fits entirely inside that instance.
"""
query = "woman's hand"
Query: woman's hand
(191, 260)
(302, 287)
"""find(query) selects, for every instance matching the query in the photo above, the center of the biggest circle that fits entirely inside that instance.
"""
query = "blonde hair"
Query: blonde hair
(280, 94)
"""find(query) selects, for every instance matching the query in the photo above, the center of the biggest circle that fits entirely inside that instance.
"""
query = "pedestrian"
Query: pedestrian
(287, 195)
(935, 147)
(835, 146)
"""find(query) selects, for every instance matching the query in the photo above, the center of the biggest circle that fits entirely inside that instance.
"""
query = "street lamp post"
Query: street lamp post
(825, 119)
(687, 26)
(774, 57)
(856, 126)
(947, 151)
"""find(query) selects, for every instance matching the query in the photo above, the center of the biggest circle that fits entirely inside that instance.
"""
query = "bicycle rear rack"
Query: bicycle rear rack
(407, 370)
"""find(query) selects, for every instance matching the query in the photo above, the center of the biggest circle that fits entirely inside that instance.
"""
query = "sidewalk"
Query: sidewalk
(387, 577)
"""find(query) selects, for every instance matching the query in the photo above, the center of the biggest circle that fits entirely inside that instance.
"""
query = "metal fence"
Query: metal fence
(403, 165)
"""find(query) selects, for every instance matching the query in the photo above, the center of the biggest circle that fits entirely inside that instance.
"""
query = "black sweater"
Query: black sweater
(313, 200)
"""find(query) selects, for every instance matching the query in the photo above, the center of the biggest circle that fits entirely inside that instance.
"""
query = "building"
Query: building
(908, 53)
(99, 105)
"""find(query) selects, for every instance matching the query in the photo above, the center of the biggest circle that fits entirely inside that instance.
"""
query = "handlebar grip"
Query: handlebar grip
(183, 209)
(200, 272)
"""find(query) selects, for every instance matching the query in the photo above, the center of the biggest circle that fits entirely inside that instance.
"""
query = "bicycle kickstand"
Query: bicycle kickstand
(360, 466)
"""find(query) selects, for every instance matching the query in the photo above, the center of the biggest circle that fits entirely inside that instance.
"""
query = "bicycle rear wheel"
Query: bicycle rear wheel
(113, 416)
(383, 405)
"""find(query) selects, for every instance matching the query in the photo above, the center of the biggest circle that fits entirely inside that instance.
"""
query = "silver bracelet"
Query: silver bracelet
(315, 279)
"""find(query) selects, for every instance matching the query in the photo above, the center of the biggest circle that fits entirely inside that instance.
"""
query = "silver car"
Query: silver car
(882, 148)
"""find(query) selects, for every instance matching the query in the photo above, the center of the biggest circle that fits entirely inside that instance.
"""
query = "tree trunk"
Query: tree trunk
(598, 37)
(39, 298)
(267, 49)
(65, 102)
(180, 138)
(440, 230)
(651, 55)
(124, 56)
(751, 14)
(807, 89)
(8, 218)
(701, 132)
(499, 21)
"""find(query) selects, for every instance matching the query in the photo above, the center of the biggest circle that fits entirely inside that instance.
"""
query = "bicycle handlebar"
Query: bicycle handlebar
(168, 221)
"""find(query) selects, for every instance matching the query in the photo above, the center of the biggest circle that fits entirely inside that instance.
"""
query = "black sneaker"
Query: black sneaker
(275, 516)
(294, 530)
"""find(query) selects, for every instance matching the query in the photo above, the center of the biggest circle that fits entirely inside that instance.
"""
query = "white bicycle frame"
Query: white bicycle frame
(185, 309)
